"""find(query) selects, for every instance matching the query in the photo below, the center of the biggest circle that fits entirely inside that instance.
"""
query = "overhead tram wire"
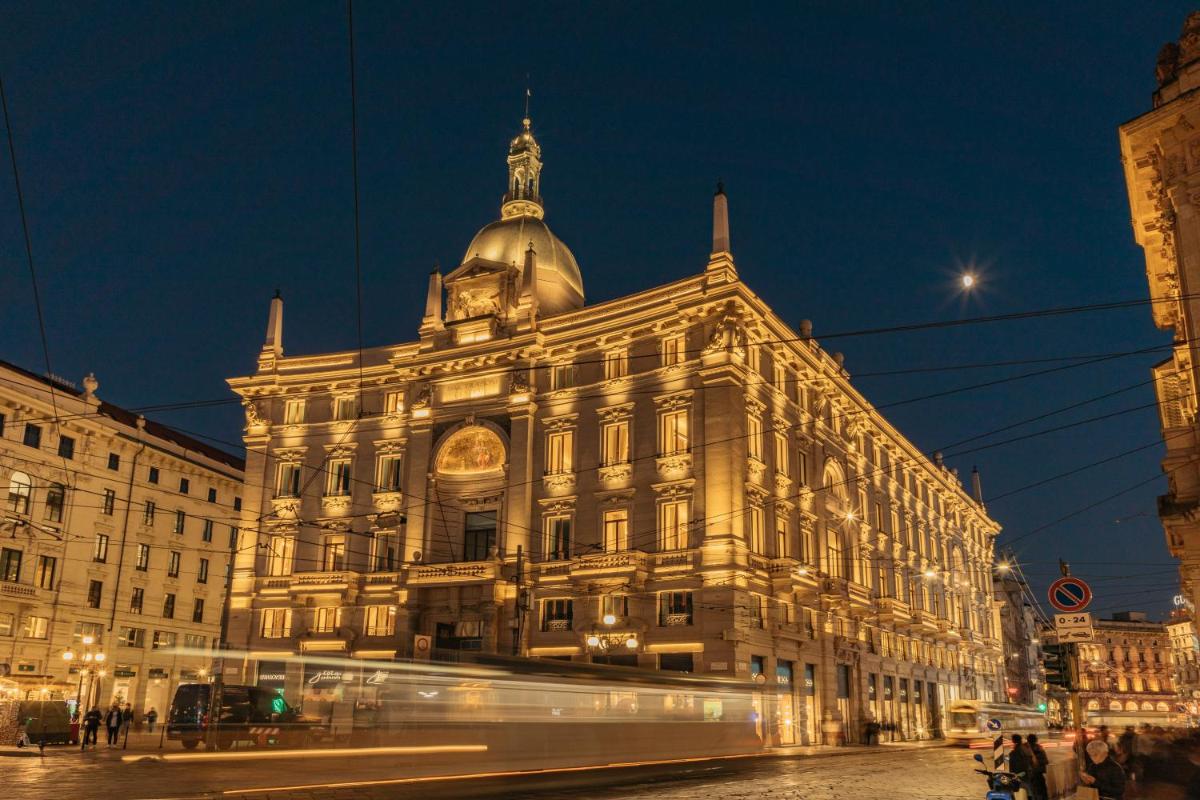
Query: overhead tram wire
(354, 171)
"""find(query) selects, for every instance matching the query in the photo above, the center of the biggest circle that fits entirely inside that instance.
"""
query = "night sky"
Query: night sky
(182, 161)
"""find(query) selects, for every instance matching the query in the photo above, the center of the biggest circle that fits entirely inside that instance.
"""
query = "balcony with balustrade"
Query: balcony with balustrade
(453, 573)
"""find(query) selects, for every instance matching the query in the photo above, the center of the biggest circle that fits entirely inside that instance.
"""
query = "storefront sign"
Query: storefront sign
(321, 677)
(272, 674)
(159, 672)
(124, 673)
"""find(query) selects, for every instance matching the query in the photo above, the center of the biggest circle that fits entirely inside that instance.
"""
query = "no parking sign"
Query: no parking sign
(1069, 594)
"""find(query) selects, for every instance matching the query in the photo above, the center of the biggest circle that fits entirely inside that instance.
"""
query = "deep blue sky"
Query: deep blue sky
(181, 161)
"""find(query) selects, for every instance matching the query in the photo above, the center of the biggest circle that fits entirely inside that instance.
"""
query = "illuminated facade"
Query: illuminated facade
(1185, 656)
(114, 539)
(1126, 673)
(1160, 151)
(673, 479)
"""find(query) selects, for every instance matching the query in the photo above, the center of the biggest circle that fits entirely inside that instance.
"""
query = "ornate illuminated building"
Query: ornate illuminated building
(674, 479)
(1160, 151)
(1126, 673)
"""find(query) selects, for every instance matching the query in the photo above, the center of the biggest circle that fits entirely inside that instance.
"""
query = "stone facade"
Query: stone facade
(1185, 656)
(1024, 676)
(674, 479)
(1126, 672)
(114, 528)
(1160, 151)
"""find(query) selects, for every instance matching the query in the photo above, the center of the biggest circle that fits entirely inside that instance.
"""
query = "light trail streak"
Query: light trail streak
(330, 752)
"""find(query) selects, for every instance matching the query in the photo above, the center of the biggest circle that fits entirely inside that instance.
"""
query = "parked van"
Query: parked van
(250, 714)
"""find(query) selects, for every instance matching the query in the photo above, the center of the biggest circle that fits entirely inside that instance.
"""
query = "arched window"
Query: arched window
(834, 481)
(19, 490)
(1094, 705)
(1161, 706)
(1147, 706)
(1115, 705)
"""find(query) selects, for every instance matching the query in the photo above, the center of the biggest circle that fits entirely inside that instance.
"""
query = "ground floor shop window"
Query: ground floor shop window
(676, 662)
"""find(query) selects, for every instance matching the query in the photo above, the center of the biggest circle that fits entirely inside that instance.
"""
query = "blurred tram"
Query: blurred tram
(968, 721)
(524, 714)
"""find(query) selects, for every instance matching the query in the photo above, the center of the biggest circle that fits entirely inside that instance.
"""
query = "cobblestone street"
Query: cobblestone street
(889, 772)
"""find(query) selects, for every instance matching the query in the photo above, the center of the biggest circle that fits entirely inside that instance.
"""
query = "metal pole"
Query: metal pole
(516, 642)
(218, 684)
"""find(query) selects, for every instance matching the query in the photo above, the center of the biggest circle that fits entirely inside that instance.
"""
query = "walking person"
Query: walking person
(1103, 774)
(91, 725)
(1041, 762)
(151, 718)
(1020, 760)
(112, 722)
(126, 720)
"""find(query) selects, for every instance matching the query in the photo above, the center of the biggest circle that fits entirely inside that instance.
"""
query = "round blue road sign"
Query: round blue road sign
(1069, 595)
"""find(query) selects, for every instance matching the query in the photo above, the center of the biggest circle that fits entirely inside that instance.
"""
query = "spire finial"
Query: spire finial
(528, 94)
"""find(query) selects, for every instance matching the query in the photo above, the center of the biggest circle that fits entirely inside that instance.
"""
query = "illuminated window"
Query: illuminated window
(293, 411)
(615, 604)
(202, 571)
(479, 535)
(836, 555)
(142, 559)
(36, 627)
(782, 540)
(674, 608)
(337, 477)
(136, 600)
(279, 555)
(276, 623)
(557, 614)
(616, 364)
(169, 606)
(180, 522)
(148, 512)
(379, 621)
(345, 408)
(388, 474)
(333, 553)
(802, 467)
(19, 490)
(614, 443)
(673, 432)
(100, 548)
(393, 402)
(562, 376)
(673, 518)
(386, 551)
(757, 523)
(326, 619)
(781, 454)
(173, 564)
(560, 446)
(132, 637)
(616, 530)
(46, 567)
(779, 372)
(754, 436)
(674, 350)
(557, 544)
(758, 610)
(109, 502)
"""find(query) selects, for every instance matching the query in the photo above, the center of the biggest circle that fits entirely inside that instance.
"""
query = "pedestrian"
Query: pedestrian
(1020, 760)
(1103, 774)
(1125, 746)
(1041, 763)
(126, 719)
(151, 718)
(112, 723)
(91, 724)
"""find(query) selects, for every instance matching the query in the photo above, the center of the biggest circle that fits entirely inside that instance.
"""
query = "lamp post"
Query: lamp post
(604, 640)
(91, 661)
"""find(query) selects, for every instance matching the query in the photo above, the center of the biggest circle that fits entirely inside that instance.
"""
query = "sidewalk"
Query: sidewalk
(142, 742)
(848, 749)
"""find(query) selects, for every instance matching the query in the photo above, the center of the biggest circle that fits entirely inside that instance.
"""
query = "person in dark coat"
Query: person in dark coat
(1103, 774)
(1020, 760)
(1041, 762)
(91, 724)
(112, 722)
(126, 718)
(151, 718)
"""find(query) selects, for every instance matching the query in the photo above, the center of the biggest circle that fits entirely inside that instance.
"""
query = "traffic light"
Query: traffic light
(1054, 659)
(1041, 707)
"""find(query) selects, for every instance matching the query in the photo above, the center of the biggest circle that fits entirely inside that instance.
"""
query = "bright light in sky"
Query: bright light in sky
(968, 280)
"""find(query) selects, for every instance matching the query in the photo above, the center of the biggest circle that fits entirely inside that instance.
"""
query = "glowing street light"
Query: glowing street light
(967, 280)
(610, 619)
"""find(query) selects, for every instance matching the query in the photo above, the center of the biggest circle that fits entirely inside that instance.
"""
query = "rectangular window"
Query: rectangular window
(194, 641)
(136, 600)
(100, 548)
(3, 419)
(387, 550)
(88, 633)
(388, 474)
(95, 593)
(754, 436)
(616, 530)
(212, 495)
(180, 522)
(36, 627)
(132, 637)
(326, 619)
(758, 610)
(333, 553)
(10, 565)
(202, 571)
(173, 564)
(66, 447)
(782, 467)
(109, 503)
(558, 537)
(276, 623)
(674, 608)
(184, 485)
(33, 436)
(673, 432)
(783, 547)
(616, 605)
(233, 538)
(153, 476)
(337, 477)
(56, 497)
(614, 443)
(560, 447)
(779, 373)
(169, 606)
(380, 621)
(7, 622)
(114, 461)
(557, 614)
(673, 524)
(345, 408)
(279, 555)
(237, 504)
(143, 558)
(562, 376)
(206, 532)
(674, 350)
(198, 610)
(757, 533)
(616, 364)
(46, 567)
(293, 412)
(802, 467)
(479, 535)
(163, 640)
(288, 484)
(393, 402)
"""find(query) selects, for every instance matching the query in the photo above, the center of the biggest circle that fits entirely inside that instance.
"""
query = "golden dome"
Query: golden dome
(559, 284)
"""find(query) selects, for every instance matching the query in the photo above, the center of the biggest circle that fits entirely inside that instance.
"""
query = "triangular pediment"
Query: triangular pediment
(476, 267)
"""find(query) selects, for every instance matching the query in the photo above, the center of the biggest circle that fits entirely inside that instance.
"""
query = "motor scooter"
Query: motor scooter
(1001, 785)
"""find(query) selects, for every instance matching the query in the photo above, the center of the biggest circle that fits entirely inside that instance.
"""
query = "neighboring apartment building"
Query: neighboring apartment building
(114, 539)
(674, 479)
(1185, 655)
(1161, 154)
(1024, 675)
(1127, 673)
